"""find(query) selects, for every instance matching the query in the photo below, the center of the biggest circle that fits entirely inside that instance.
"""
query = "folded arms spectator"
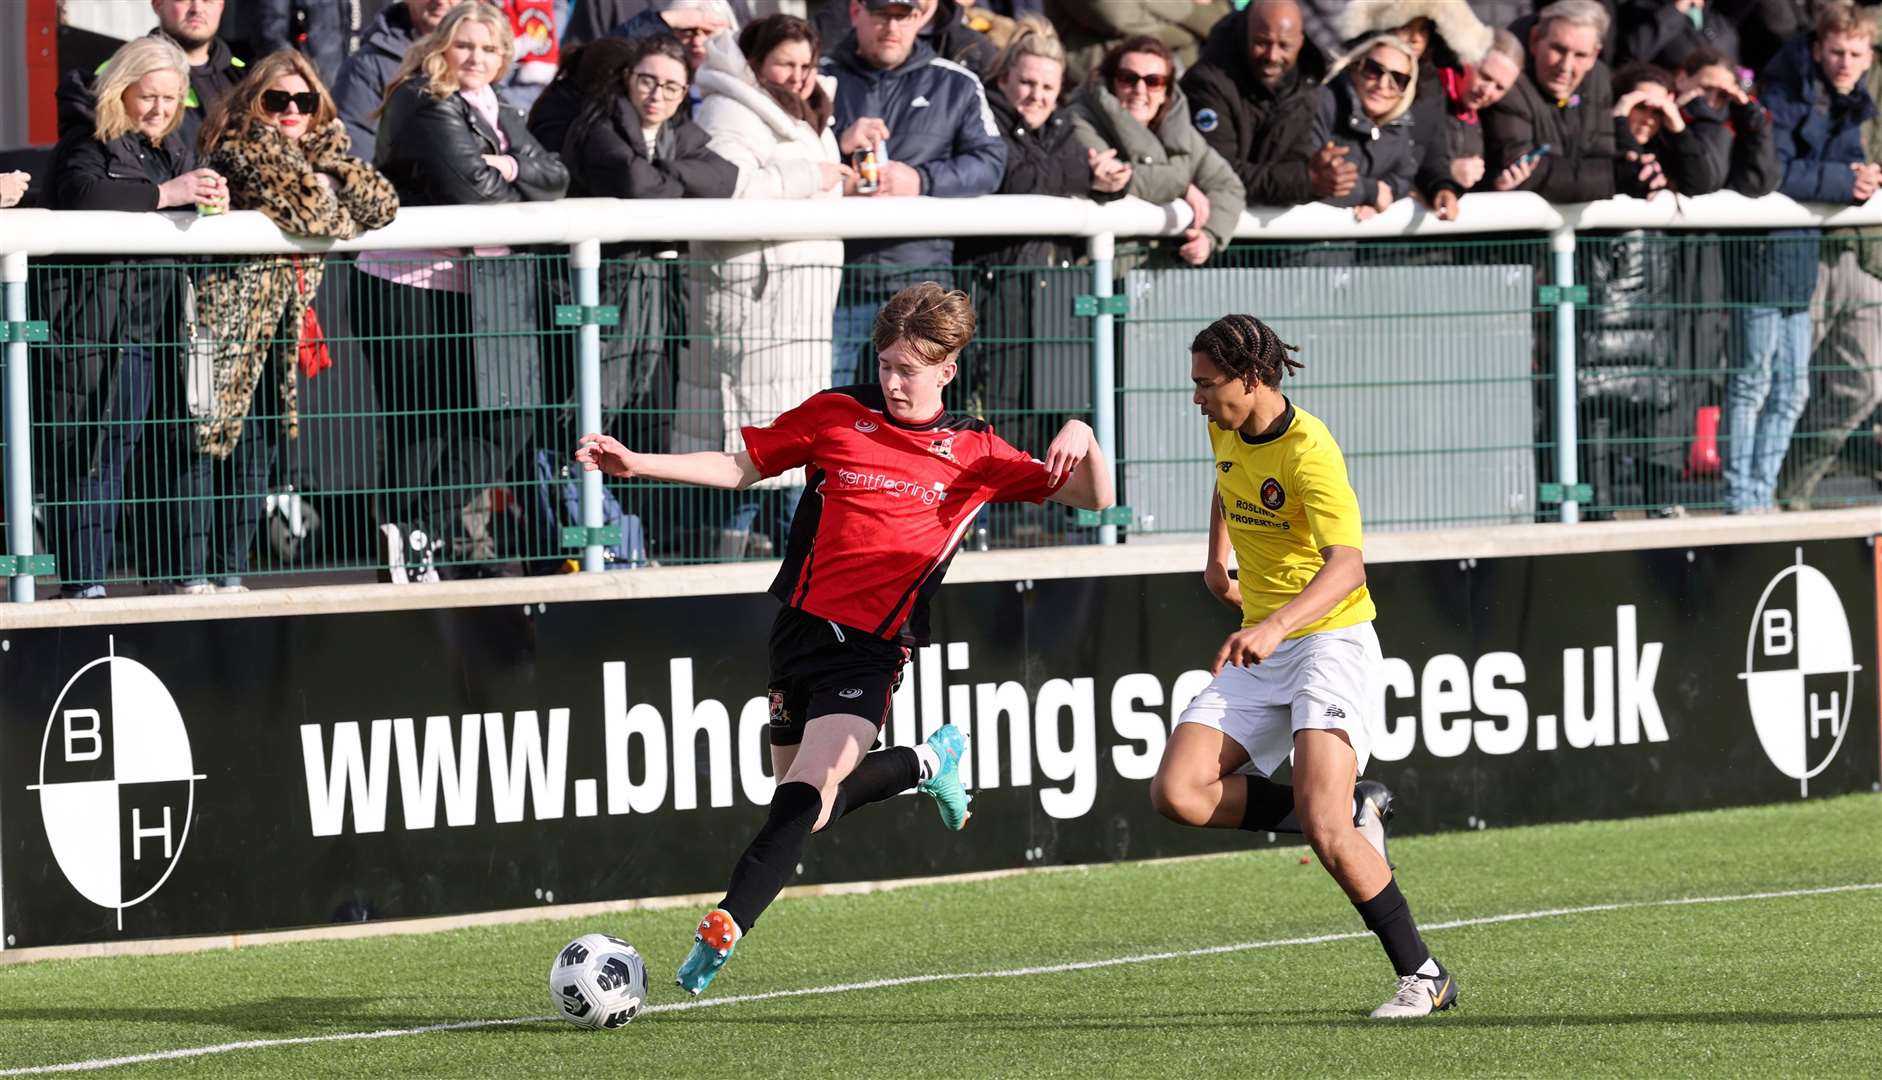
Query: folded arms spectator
(1564, 103)
(446, 140)
(1134, 107)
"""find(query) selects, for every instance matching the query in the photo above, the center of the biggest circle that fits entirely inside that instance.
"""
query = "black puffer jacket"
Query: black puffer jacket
(1384, 154)
(97, 310)
(607, 157)
(1254, 126)
(1659, 33)
(1580, 134)
(432, 149)
(1047, 160)
(1682, 156)
(1739, 143)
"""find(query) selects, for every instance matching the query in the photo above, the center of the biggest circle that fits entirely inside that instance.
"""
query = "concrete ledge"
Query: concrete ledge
(1179, 556)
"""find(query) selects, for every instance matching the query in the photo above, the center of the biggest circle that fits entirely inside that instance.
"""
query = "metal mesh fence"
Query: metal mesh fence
(1733, 371)
(1431, 363)
(1714, 372)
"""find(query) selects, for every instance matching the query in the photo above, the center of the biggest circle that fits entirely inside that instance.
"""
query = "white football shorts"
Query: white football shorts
(1330, 680)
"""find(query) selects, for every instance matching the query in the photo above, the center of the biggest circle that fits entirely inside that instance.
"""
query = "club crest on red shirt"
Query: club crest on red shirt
(944, 448)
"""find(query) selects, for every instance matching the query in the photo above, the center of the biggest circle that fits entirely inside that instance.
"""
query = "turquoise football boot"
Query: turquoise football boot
(944, 786)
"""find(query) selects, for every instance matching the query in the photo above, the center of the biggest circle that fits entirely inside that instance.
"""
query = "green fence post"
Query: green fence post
(19, 432)
(1567, 441)
(1103, 249)
(585, 265)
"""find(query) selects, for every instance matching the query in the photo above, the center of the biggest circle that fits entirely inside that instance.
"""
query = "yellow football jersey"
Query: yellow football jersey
(1285, 497)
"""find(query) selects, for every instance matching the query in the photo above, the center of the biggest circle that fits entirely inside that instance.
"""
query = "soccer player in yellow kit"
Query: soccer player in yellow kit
(1303, 674)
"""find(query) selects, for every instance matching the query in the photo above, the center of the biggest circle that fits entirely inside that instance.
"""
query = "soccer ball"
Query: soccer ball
(598, 981)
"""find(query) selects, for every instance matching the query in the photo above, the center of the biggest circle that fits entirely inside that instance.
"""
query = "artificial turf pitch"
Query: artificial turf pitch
(1744, 986)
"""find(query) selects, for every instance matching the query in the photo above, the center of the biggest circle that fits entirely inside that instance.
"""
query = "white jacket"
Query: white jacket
(762, 311)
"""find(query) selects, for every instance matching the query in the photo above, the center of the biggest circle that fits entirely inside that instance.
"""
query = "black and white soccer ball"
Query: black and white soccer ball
(598, 981)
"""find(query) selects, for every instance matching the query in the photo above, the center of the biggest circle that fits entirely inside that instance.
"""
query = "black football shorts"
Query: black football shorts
(821, 668)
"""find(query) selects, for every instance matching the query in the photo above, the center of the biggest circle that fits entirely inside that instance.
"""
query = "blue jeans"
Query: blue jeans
(1763, 399)
(90, 516)
(849, 334)
(221, 503)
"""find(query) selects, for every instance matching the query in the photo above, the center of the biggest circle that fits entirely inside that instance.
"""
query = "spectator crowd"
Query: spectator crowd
(328, 115)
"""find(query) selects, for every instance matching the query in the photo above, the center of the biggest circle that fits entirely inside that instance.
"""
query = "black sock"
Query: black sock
(878, 776)
(773, 854)
(1390, 917)
(1270, 807)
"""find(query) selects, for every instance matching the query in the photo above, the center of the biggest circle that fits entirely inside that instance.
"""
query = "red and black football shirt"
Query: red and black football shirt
(885, 505)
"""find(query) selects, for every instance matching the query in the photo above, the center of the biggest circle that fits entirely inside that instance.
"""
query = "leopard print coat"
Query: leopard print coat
(253, 307)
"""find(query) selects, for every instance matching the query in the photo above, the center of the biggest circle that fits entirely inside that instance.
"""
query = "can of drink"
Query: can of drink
(868, 173)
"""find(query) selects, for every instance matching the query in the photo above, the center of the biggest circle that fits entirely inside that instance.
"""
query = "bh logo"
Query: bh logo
(1800, 672)
(116, 783)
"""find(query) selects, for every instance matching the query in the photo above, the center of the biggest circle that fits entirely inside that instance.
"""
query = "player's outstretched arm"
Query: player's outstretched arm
(1215, 572)
(708, 468)
(1090, 487)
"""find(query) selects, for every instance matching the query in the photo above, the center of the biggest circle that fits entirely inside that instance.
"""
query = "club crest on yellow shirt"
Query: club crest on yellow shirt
(1272, 496)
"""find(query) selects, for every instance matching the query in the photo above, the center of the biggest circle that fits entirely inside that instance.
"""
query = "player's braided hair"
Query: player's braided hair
(1247, 348)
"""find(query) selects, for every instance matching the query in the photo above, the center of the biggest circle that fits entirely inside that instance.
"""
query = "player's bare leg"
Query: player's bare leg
(1325, 768)
(1197, 784)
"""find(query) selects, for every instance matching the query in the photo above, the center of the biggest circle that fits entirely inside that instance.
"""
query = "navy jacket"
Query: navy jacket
(939, 124)
(1383, 155)
(361, 88)
(323, 30)
(1818, 133)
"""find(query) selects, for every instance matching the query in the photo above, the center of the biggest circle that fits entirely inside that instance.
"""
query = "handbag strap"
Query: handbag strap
(300, 276)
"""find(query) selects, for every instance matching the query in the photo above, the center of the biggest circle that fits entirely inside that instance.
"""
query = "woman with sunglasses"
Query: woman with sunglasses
(1365, 106)
(279, 143)
(460, 406)
(1133, 106)
(629, 139)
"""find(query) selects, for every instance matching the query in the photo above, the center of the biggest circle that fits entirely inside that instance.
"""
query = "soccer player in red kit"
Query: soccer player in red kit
(893, 483)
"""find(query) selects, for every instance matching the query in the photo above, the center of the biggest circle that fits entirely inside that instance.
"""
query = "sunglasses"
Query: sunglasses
(277, 101)
(1378, 72)
(1128, 79)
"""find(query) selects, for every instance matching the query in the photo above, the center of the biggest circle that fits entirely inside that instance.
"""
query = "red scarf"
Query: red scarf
(1456, 81)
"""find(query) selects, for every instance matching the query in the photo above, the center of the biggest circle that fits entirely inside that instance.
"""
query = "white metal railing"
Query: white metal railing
(583, 225)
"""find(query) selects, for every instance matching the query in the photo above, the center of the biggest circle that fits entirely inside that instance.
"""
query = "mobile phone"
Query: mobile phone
(1534, 156)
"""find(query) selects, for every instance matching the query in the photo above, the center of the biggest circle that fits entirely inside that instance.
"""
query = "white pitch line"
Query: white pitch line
(915, 980)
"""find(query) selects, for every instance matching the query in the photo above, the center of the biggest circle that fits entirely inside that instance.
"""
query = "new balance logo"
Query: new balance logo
(1336, 712)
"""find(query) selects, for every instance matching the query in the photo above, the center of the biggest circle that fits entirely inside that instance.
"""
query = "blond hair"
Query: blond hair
(1032, 36)
(1843, 20)
(1364, 49)
(426, 60)
(935, 322)
(134, 60)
